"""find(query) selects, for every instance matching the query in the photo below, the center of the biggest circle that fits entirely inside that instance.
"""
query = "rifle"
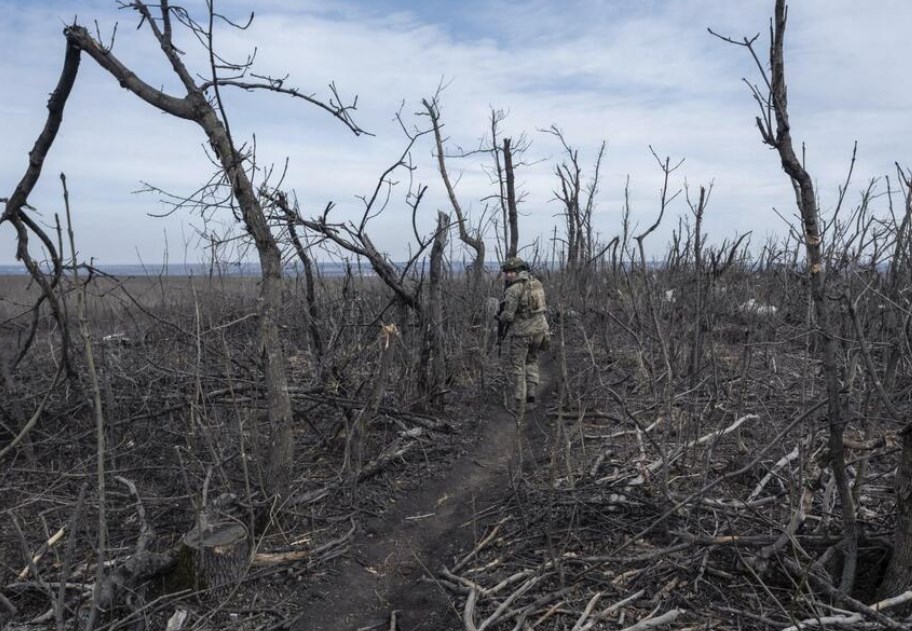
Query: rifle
(502, 329)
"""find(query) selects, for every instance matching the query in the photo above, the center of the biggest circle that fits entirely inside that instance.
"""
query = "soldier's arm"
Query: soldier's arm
(510, 303)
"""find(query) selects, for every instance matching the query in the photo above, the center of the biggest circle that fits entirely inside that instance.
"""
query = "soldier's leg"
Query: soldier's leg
(519, 350)
(532, 372)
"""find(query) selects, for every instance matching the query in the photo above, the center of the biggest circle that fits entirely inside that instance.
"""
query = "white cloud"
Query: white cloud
(633, 74)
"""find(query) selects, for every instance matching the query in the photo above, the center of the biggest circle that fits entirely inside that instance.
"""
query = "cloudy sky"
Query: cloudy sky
(636, 74)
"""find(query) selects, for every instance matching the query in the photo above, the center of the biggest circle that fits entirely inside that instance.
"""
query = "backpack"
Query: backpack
(532, 300)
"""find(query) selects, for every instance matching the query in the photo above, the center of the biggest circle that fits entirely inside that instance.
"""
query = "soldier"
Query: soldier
(522, 318)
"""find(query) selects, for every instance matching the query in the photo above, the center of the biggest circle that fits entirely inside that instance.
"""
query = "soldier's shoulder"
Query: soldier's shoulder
(515, 288)
(535, 285)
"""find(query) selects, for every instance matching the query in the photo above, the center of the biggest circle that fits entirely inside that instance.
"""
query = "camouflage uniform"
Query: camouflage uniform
(524, 313)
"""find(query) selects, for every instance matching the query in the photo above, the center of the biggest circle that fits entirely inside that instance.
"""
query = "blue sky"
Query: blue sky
(635, 74)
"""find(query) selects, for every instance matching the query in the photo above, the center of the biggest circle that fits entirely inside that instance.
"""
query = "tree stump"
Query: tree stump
(213, 556)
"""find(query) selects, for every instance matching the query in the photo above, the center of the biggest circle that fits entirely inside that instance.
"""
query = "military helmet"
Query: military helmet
(513, 264)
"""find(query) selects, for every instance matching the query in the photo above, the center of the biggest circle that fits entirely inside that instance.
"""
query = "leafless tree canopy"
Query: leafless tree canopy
(721, 439)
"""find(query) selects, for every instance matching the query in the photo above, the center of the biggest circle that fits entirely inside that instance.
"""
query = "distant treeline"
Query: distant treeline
(337, 268)
(326, 268)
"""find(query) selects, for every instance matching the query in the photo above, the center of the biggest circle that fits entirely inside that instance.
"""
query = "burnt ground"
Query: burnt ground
(357, 553)
(631, 508)
(390, 572)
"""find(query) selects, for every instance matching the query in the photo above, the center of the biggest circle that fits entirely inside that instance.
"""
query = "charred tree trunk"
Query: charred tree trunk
(22, 223)
(813, 240)
(437, 382)
(213, 556)
(898, 576)
(512, 216)
(899, 570)
(474, 242)
(775, 129)
(313, 309)
(197, 108)
(13, 409)
(569, 176)
(579, 203)
(696, 357)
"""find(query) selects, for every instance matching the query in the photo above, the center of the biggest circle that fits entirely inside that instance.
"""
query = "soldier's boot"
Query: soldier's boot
(530, 394)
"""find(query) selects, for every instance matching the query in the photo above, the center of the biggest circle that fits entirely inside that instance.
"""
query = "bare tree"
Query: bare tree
(512, 215)
(313, 309)
(698, 210)
(898, 576)
(578, 200)
(775, 130)
(353, 237)
(505, 154)
(202, 104)
(474, 241)
(15, 213)
(435, 338)
(666, 197)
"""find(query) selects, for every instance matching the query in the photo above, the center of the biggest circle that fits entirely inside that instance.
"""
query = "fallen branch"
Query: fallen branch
(854, 619)
(468, 612)
(587, 612)
(610, 437)
(37, 414)
(57, 536)
(498, 613)
(787, 458)
(850, 603)
(732, 474)
(888, 440)
(275, 558)
(658, 621)
(653, 467)
(471, 555)
(396, 449)
(602, 615)
(428, 422)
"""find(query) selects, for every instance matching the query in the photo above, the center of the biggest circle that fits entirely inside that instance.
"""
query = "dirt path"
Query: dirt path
(411, 541)
(395, 556)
